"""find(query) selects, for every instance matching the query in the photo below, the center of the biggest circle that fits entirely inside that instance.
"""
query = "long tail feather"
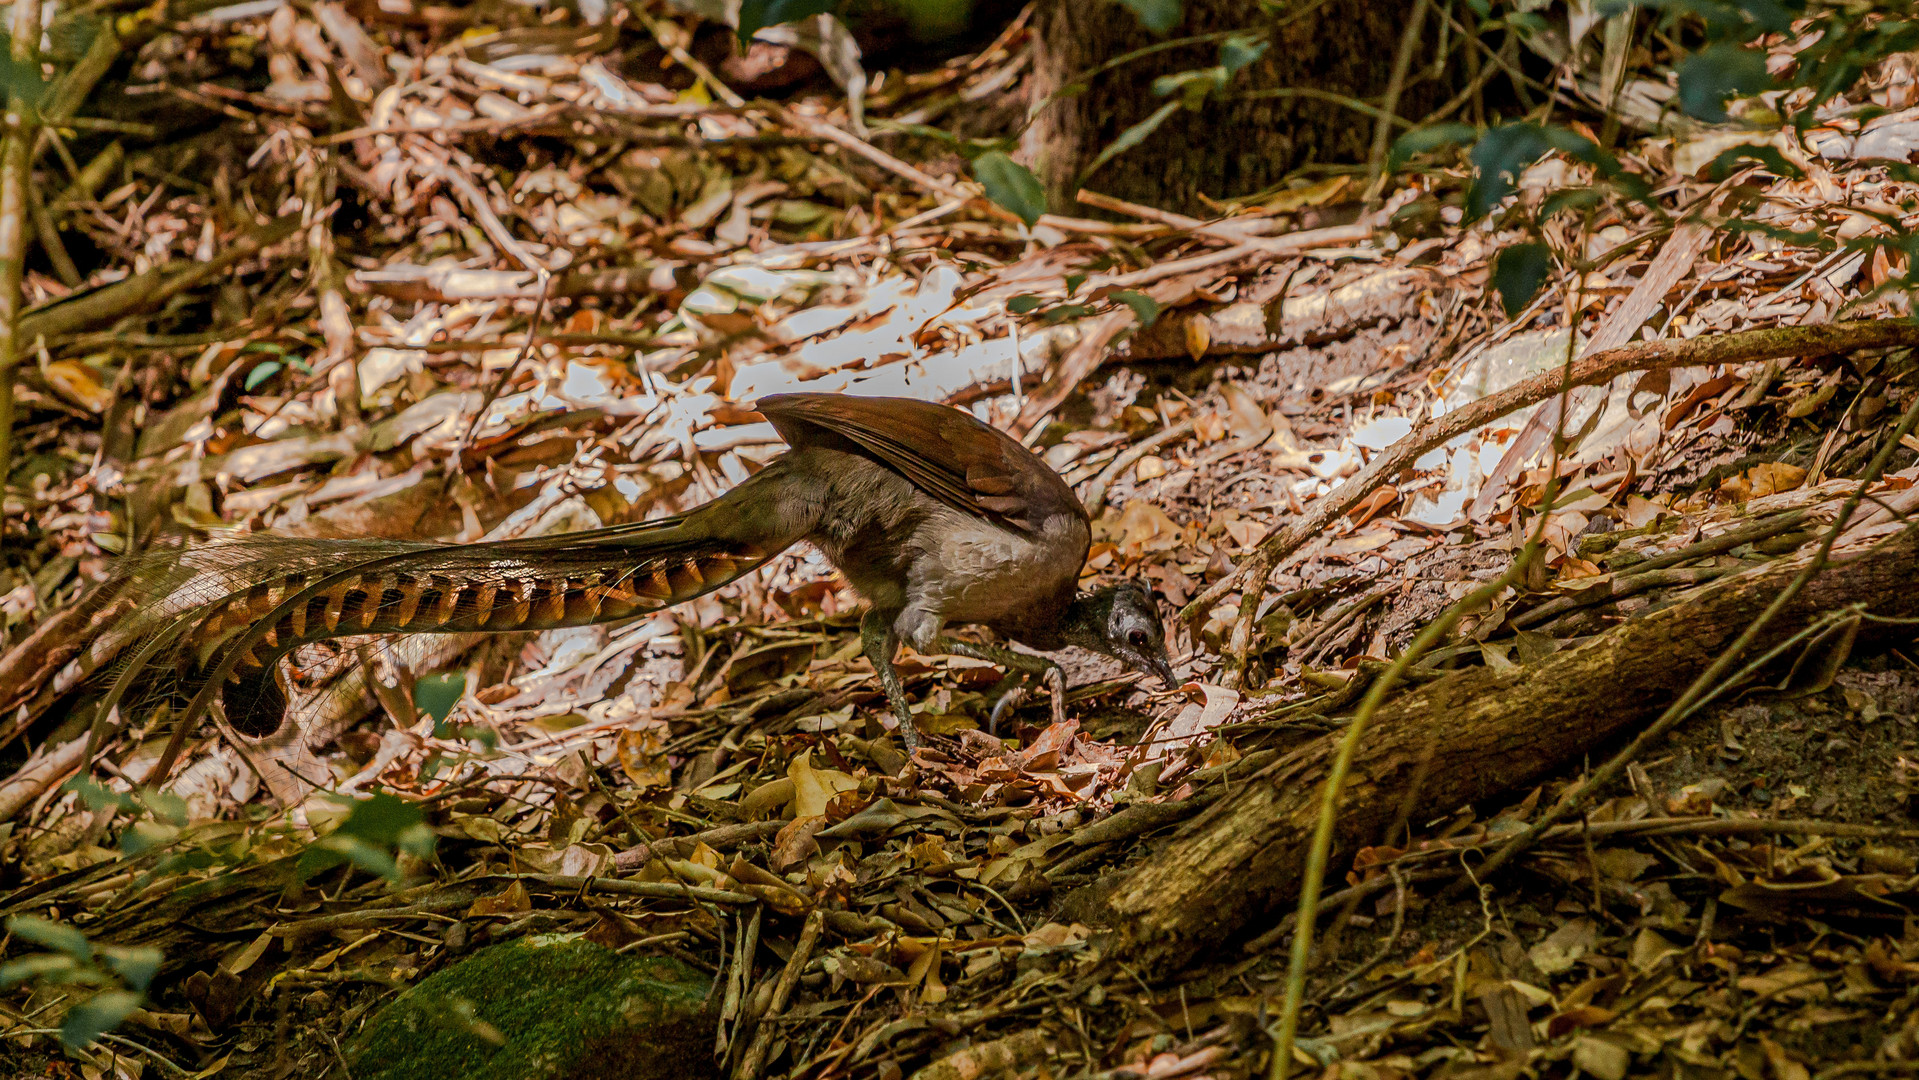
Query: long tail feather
(226, 614)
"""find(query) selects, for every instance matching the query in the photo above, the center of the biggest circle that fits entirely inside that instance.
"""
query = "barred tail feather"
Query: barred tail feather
(246, 605)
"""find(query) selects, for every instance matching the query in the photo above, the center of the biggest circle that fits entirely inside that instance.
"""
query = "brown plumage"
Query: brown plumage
(933, 516)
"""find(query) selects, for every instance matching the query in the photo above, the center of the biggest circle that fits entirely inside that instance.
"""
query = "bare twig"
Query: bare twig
(755, 1057)
(1708, 684)
(16, 161)
(1593, 368)
(1389, 106)
(1096, 491)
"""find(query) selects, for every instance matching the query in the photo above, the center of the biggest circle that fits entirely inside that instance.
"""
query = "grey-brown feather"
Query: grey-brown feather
(932, 516)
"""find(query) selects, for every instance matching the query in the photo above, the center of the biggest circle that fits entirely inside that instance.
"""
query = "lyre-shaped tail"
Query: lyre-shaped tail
(268, 596)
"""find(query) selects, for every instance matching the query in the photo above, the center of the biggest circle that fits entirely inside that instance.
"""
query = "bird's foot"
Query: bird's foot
(1007, 699)
(1010, 692)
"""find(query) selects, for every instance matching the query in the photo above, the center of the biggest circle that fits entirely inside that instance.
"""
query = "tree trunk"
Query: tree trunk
(1231, 147)
(1464, 739)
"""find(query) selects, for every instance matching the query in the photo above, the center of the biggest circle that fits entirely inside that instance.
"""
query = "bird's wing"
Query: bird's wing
(945, 452)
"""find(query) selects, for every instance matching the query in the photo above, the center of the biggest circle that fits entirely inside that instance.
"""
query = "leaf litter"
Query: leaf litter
(674, 252)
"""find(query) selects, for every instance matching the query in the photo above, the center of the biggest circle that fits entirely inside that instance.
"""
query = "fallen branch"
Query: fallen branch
(1483, 734)
(146, 292)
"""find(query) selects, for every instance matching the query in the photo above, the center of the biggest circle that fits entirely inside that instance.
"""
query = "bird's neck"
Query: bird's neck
(1080, 620)
(1050, 623)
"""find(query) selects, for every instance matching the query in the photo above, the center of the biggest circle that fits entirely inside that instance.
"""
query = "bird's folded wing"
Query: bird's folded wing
(946, 453)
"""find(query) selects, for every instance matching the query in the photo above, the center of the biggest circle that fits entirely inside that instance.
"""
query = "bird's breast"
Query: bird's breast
(980, 572)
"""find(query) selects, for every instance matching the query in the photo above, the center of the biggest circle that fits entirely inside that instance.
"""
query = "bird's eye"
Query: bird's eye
(1138, 638)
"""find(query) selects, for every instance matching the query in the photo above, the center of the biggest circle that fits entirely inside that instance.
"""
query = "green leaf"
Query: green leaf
(51, 935)
(135, 966)
(381, 819)
(1240, 50)
(18, 78)
(1145, 308)
(166, 806)
(1529, 24)
(373, 860)
(144, 836)
(50, 966)
(1191, 86)
(1774, 162)
(1055, 316)
(1717, 72)
(98, 1015)
(435, 695)
(1498, 158)
(1073, 282)
(756, 15)
(1427, 139)
(1131, 137)
(1023, 305)
(1011, 185)
(99, 796)
(262, 372)
(924, 131)
(1159, 16)
(1579, 198)
(1518, 273)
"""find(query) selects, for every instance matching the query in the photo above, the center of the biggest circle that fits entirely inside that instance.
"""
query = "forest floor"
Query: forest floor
(388, 212)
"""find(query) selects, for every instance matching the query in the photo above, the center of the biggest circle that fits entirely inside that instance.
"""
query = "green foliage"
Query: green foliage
(157, 816)
(1159, 16)
(375, 831)
(435, 695)
(1240, 51)
(1716, 73)
(1189, 90)
(123, 974)
(1425, 140)
(1145, 308)
(98, 1015)
(1518, 273)
(18, 79)
(757, 15)
(1732, 158)
(51, 935)
(1011, 185)
(1131, 137)
(1500, 155)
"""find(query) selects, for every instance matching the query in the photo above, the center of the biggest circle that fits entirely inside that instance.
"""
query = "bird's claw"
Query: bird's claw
(1008, 699)
(1011, 692)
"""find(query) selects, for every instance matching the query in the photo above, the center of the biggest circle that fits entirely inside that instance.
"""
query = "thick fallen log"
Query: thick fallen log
(1469, 737)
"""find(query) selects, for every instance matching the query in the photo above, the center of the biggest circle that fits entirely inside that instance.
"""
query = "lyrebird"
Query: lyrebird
(934, 518)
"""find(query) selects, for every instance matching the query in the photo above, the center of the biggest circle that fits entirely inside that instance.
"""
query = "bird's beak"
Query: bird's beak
(1164, 669)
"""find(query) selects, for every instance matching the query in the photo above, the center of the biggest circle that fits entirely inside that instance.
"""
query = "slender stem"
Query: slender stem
(1402, 64)
(1707, 684)
(16, 158)
(1322, 846)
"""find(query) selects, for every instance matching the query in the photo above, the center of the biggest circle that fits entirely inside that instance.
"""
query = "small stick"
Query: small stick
(1591, 369)
(1096, 491)
(738, 979)
(749, 1067)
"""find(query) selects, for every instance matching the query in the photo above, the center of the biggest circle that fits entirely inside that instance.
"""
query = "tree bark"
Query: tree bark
(1473, 736)
(1234, 145)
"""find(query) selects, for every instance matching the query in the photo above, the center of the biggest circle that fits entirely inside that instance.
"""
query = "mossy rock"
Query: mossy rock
(567, 1009)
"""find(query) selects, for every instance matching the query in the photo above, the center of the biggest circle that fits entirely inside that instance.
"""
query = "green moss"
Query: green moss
(566, 1009)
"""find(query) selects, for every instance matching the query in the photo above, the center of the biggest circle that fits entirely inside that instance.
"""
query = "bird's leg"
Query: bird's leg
(880, 642)
(1018, 665)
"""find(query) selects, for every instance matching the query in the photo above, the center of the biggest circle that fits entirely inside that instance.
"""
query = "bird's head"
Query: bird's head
(1122, 622)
